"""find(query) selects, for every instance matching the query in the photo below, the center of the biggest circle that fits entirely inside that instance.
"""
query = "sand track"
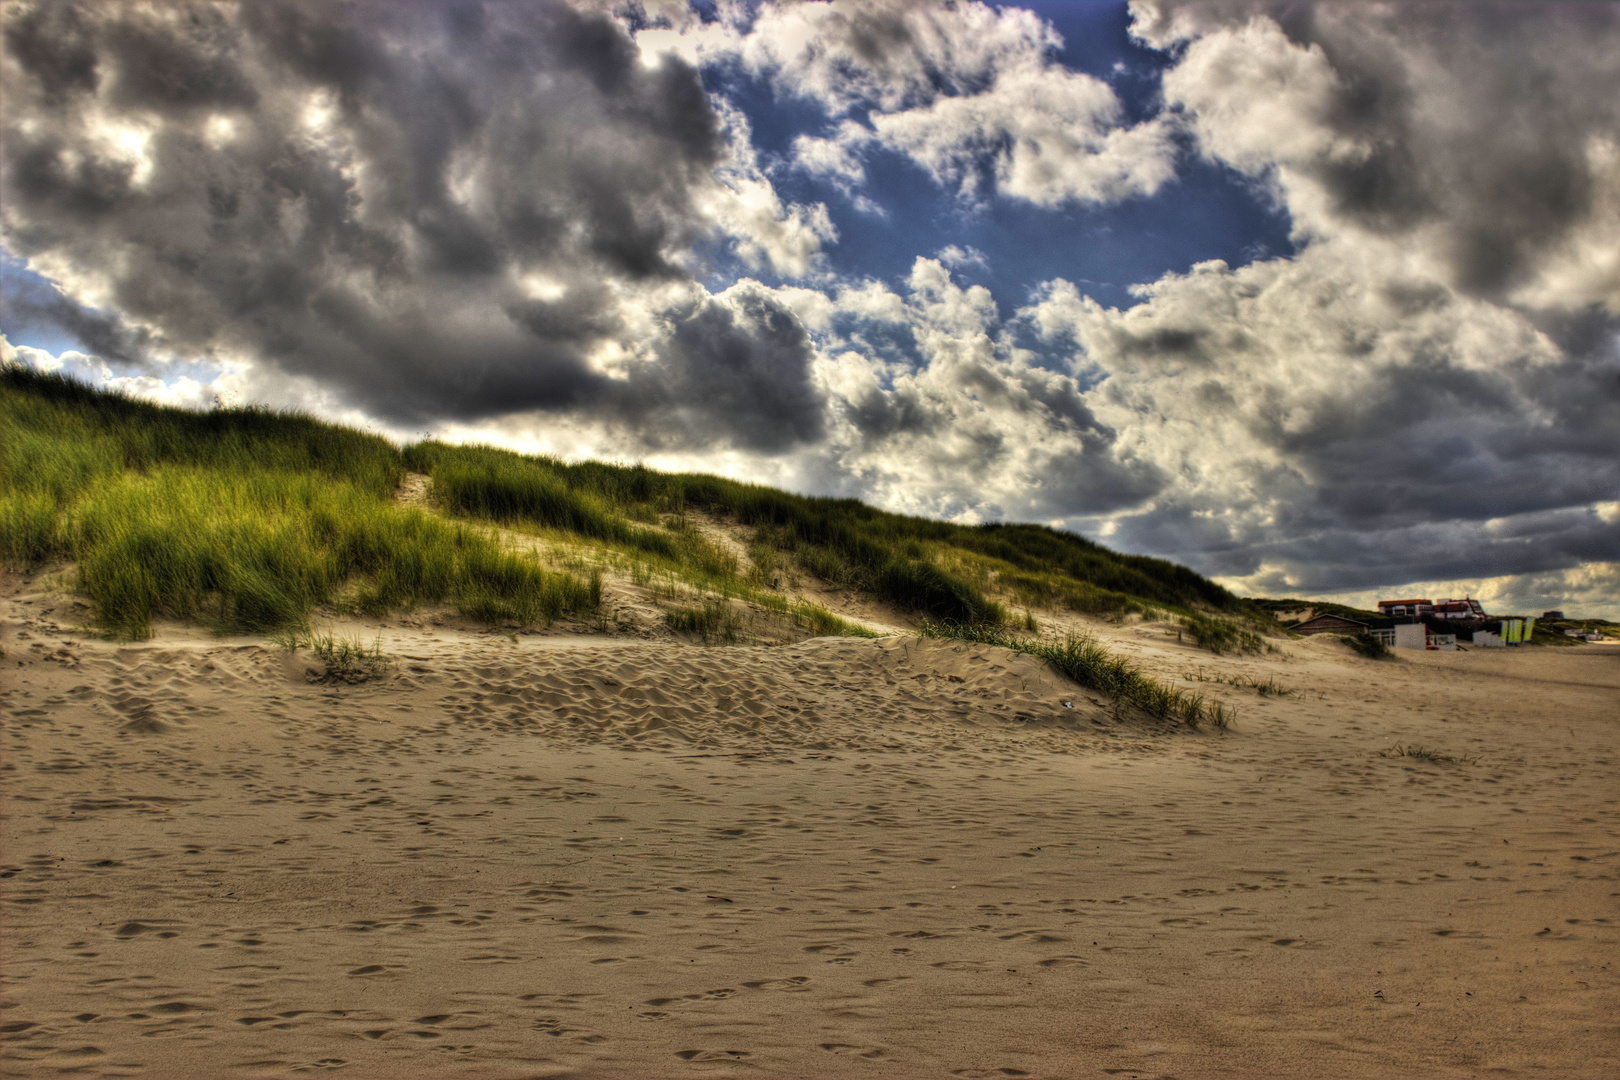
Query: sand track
(842, 858)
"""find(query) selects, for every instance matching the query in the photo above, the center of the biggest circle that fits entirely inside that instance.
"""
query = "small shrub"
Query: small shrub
(1367, 645)
(714, 622)
(1221, 636)
(1270, 688)
(1424, 754)
(343, 659)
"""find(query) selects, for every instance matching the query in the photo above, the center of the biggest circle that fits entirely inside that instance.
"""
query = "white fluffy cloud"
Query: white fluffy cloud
(1045, 135)
(849, 54)
(970, 93)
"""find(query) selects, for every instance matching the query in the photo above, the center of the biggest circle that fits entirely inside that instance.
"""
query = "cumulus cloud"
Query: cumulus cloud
(970, 93)
(856, 54)
(927, 389)
(1410, 396)
(1486, 134)
(441, 210)
(1586, 591)
(1046, 135)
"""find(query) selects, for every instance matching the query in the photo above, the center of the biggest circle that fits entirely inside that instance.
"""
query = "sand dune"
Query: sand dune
(893, 858)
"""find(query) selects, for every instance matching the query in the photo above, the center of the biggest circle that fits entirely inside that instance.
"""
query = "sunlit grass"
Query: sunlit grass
(239, 519)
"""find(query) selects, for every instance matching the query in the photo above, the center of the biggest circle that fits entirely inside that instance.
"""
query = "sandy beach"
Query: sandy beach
(575, 855)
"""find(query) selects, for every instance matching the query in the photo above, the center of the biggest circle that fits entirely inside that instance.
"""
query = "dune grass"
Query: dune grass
(1367, 645)
(832, 539)
(257, 551)
(246, 518)
(1220, 635)
(935, 569)
(241, 519)
(715, 621)
(1270, 688)
(346, 659)
(1421, 753)
(1088, 662)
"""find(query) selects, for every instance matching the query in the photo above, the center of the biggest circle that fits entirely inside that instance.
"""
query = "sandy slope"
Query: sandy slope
(583, 857)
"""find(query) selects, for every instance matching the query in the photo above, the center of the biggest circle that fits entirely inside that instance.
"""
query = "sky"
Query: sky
(1321, 300)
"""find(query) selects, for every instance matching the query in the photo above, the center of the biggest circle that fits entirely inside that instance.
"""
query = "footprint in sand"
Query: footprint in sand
(855, 1051)
(795, 983)
(1296, 943)
(712, 1055)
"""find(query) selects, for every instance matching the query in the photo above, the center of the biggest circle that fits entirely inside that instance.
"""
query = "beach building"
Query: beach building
(1381, 629)
(1516, 629)
(1330, 624)
(1466, 608)
(1409, 608)
(1413, 635)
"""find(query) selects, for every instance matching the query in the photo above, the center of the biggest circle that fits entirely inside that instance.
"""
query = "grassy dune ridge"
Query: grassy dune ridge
(246, 518)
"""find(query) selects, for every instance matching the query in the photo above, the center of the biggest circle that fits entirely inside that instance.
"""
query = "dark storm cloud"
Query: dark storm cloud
(1435, 551)
(1474, 118)
(743, 364)
(439, 209)
(1514, 176)
(32, 304)
(1392, 460)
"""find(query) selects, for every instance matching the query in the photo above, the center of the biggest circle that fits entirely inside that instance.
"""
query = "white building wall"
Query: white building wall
(1411, 636)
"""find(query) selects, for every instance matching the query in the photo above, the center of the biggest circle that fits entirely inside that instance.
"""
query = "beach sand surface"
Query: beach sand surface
(583, 856)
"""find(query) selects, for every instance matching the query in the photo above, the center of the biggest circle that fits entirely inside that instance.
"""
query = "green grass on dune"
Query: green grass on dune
(841, 541)
(1088, 662)
(247, 518)
(937, 569)
(243, 519)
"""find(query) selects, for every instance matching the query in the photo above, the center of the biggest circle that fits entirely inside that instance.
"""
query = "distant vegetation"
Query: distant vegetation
(246, 518)
(1321, 607)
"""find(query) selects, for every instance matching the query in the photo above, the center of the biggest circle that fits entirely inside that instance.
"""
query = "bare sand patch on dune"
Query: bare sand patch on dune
(842, 858)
